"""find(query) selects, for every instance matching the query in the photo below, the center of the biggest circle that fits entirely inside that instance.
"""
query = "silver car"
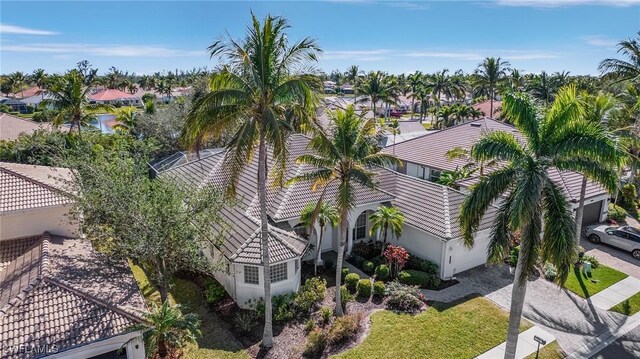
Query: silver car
(625, 237)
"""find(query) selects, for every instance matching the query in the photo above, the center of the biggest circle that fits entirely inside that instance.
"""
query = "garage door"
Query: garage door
(592, 213)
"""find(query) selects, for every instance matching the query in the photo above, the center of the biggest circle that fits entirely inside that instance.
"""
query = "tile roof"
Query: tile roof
(27, 187)
(12, 127)
(32, 91)
(485, 107)
(111, 95)
(61, 293)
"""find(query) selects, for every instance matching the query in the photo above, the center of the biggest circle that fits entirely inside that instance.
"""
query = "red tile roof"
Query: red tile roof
(111, 95)
(28, 92)
(485, 107)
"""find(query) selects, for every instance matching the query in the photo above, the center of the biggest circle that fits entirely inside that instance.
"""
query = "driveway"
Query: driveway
(613, 257)
(627, 346)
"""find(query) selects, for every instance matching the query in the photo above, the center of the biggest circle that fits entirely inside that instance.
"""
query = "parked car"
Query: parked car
(625, 237)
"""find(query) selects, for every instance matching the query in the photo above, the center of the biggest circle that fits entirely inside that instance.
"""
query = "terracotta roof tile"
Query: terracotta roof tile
(27, 187)
(12, 127)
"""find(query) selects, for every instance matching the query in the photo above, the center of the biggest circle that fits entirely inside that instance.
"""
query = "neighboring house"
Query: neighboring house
(12, 127)
(30, 92)
(59, 298)
(431, 229)
(15, 105)
(114, 96)
(485, 107)
(425, 157)
(347, 89)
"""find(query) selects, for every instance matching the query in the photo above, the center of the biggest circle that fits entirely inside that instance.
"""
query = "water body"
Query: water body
(104, 122)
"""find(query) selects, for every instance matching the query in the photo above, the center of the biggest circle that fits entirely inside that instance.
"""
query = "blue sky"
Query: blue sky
(398, 37)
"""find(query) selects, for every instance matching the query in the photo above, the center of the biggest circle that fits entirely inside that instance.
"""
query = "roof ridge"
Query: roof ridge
(286, 196)
(446, 212)
(34, 181)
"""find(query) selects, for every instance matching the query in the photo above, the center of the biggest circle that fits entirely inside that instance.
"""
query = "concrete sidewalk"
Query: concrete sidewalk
(616, 294)
(526, 344)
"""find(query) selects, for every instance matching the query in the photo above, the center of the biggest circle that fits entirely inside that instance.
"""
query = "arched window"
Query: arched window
(361, 226)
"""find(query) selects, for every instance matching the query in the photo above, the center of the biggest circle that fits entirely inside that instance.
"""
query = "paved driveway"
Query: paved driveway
(627, 346)
(613, 257)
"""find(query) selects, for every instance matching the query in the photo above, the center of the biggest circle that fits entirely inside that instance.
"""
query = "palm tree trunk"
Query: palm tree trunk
(267, 336)
(412, 103)
(163, 351)
(580, 211)
(318, 259)
(342, 240)
(515, 314)
(491, 104)
(384, 239)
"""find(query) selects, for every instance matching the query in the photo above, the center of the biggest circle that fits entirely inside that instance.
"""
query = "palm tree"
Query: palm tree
(442, 84)
(543, 87)
(352, 76)
(254, 95)
(17, 80)
(68, 94)
(625, 122)
(622, 70)
(376, 87)
(167, 330)
(415, 79)
(127, 118)
(515, 81)
(422, 94)
(384, 219)
(526, 194)
(343, 158)
(489, 75)
(322, 213)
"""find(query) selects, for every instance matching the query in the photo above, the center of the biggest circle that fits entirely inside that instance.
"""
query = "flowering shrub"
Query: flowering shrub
(396, 257)
(404, 298)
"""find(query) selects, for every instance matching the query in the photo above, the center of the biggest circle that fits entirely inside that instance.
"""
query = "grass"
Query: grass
(215, 342)
(601, 278)
(630, 306)
(459, 330)
(549, 351)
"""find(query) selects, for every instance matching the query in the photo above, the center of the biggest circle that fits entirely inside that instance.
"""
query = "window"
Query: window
(279, 272)
(361, 226)
(434, 175)
(251, 275)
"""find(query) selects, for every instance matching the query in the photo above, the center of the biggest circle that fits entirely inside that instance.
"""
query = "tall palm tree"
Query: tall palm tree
(167, 330)
(515, 81)
(352, 74)
(376, 87)
(343, 157)
(256, 95)
(526, 194)
(415, 79)
(625, 123)
(385, 219)
(622, 70)
(39, 77)
(17, 80)
(440, 83)
(324, 214)
(68, 94)
(422, 94)
(488, 76)
(543, 87)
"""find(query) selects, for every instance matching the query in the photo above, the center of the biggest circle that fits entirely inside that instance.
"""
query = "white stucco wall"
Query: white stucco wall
(132, 341)
(245, 291)
(35, 222)
(421, 244)
(458, 258)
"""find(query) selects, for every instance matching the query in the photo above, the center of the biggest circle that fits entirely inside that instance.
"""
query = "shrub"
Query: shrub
(364, 288)
(629, 198)
(378, 288)
(283, 308)
(313, 291)
(246, 321)
(214, 292)
(344, 272)
(148, 97)
(329, 264)
(325, 314)
(595, 263)
(424, 265)
(357, 260)
(396, 257)
(316, 342)
(403, 298)
(344, 328)
(309, 325)
(368, 267)
(351, 281)
(414, 277)
(345, 295)
(616, 213)
(367, 250)
(550, 272)
(513, 256)
(382, 272)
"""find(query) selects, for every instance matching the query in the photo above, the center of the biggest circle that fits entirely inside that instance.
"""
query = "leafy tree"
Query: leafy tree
(526, 194)
(488, 76)
(68, 95)
(324, 214)
(257, 94)
(385, 219)
(127, 118)
(621, 70)
(167, 330)
(343, 157)
(157, 224)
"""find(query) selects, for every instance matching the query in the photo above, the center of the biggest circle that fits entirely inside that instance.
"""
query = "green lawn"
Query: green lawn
(601, 278)
(463, 330)
(549, 351)
(630, 306)
(215, 341)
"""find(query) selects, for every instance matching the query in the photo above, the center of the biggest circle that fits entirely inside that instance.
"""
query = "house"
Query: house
(347, 89)
(431, 229)
(114, 96)
(485, 107)
(425, 157)
(30, 92)
(59, 298)
(15, 105)
(12, 127)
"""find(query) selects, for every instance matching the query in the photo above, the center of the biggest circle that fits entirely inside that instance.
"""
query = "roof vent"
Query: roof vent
(476, 124)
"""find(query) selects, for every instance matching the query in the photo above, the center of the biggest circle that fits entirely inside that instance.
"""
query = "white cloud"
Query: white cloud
(377, 54)
(12, 29)
(559, 3)
(104, 50)
(600, 41)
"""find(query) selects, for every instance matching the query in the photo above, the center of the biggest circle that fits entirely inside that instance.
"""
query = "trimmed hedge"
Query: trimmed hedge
(364, 288)
(616, 213)
(382, 272)
(419, 278)
(344, 272)
(378, 288)
(351, 281)
(368, 267)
